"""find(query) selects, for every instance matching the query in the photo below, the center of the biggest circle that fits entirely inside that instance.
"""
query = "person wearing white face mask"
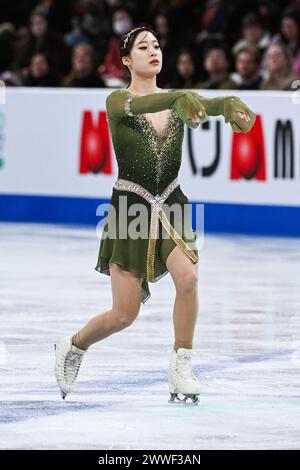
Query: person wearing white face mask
(121, 26)
(112, 71)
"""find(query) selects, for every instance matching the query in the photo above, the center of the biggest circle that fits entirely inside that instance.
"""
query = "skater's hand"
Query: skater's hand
(190, 109)
(237, 113)
(197, 117)
(244, 116)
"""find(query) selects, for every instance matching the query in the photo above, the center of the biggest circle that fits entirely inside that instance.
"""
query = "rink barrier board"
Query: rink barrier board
(249, 182)
(218, 217)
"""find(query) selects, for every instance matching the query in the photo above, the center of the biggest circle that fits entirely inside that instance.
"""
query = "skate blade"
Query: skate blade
(176, 400)
(63, 394)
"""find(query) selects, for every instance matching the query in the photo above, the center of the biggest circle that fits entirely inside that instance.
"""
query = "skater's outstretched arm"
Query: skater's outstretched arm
(232, 108)
(121, 103)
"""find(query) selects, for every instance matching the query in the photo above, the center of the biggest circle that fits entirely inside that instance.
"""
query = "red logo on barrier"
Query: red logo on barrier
(248, 153)
(95, 146)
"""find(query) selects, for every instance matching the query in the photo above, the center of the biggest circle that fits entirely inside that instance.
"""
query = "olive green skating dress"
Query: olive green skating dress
(152, 160)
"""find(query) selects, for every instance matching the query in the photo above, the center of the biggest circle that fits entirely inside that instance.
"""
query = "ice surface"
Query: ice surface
(246, 348)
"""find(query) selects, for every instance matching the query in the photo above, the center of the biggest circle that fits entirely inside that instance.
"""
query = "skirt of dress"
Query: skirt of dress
(132, 254)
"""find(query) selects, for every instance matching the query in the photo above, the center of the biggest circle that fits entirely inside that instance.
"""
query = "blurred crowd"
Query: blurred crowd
(209, 44)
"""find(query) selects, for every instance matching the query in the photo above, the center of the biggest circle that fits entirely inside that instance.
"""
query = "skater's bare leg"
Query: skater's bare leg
(185, 312)
(126, 293)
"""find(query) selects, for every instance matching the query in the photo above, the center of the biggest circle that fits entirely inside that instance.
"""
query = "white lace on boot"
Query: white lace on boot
(68, 359)
(181, 377)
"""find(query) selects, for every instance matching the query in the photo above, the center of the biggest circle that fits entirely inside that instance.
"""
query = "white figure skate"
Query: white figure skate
(181, 378)
(68, 359)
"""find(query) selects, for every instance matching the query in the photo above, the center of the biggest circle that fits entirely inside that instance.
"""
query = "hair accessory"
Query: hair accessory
(129, 34)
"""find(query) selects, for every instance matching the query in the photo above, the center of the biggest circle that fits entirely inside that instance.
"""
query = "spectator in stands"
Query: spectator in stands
(216, 64)
(254, 35)
(11, 78)
(269, 14)
(186, 75)
(84, 68)
(58, 12)
(75, 36)
(246, 76)
(40, 73)
(53, 27)
(169, 45)
(290, 35)
(278, 74)
(7, 37)
(222, 18)
(95, 24)
(41, 39)
(112, 70)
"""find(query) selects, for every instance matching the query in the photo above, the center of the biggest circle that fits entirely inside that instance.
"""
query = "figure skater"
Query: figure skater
(147, 129)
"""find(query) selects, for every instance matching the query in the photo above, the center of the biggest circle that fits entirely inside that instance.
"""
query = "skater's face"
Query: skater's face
(144, 50)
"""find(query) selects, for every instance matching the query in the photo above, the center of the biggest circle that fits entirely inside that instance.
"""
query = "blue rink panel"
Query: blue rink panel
(219, 217)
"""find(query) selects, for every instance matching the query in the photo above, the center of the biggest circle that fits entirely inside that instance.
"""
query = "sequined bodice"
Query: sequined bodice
(145, 156)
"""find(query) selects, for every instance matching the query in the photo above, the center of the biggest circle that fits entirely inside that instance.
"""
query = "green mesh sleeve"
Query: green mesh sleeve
(186, 103)
(121, 103)
(232, 106)
(229, 106)
(187, 106)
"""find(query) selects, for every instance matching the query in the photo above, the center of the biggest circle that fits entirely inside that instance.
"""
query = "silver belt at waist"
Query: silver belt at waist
(157, 213)
(138, 189)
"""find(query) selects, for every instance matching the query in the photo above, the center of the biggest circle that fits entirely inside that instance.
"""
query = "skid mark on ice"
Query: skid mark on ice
(149, 378)
(31, 236)
(14, 411)
(252, 358)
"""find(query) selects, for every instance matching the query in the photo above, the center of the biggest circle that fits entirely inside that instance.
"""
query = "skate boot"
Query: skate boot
(67, 363)
(181, 378)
